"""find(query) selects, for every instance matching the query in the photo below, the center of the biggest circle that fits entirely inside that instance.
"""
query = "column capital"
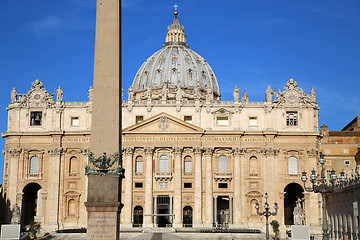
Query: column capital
(239, 151)
(178, 150)
(15, 152)
(269, 151)
(55, 151)
(129, 150)
(208, 151)
(312, 152)
(85, 151)
(197, 150)
(149, 150)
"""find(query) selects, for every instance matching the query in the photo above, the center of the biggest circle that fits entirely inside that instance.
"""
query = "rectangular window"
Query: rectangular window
(188, 119)
(187, 167)
(327, 151)
(222, 121)
(34, 165)
(328, 174)
(291, 119)
(139, 167)
(187, 185)
(138, 185)
(35, 118)
(346, 151)
(164, 164)
(252, 121)
(293, 168)
(139, 119)
(223, 185)
(347, 162)
(75, 121)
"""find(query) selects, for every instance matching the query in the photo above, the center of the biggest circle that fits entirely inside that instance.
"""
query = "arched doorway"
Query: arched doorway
(29, 203)
(293, 193)
(187, 216)
(138, 216)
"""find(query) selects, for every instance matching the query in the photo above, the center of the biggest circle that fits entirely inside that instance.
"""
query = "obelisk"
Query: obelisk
(103, 200)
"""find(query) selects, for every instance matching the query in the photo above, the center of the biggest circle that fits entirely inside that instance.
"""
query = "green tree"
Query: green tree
(275, 226)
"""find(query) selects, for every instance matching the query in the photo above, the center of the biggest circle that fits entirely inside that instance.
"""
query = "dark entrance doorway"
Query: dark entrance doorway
(187, 216)
(138, 216)
(293, 193)
(163, 207)
(223, 211)
(29, 203)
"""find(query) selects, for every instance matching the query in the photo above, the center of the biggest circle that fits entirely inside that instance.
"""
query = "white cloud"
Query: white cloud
(45, 25)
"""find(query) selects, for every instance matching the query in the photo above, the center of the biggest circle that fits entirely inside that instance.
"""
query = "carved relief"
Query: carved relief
(55, 151)
(163, 123)
(15, 152)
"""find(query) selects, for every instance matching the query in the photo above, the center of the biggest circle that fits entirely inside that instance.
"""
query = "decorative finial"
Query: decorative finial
(176, 12)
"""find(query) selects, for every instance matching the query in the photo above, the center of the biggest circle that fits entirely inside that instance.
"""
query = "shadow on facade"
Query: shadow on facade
(293, 193)
(29, 203)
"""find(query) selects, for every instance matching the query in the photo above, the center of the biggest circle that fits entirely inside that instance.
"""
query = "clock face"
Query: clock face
(291, 96)
(37, 96)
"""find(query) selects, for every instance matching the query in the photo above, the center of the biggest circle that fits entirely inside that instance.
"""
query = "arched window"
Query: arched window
(73, 165)
(253, 166)
(34, 165)
(222, 161)
(72, 207)
(138, 216)
(293, 168)
(139, 166)
(187, 164)
(164, 164)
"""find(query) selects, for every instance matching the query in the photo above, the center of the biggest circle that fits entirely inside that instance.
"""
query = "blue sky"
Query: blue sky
(248, 43)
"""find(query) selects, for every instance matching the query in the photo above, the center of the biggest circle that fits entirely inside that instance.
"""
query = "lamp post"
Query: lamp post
(267, 213)
(323, 187)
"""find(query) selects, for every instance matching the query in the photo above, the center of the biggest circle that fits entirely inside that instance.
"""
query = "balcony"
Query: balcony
(163, 176)
(220, 176)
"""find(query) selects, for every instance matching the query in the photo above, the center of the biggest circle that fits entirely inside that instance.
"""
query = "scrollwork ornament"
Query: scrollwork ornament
(104, 163)
(129, 150)
(208, 151)
(178, 150)
(15, 152)
(149, 150)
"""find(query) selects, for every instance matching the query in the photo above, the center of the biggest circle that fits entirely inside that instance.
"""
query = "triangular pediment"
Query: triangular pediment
(163, 123)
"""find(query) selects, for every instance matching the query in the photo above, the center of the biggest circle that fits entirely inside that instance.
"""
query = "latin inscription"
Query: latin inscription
(83, 139)
(101, 227)
(204, 139)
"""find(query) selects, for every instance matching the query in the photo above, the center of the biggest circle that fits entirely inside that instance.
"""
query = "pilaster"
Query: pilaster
(13, 176)
(209, 187)
(148, 187)
(177, 187)
(237, 187)
(128, 187)
(197, 188)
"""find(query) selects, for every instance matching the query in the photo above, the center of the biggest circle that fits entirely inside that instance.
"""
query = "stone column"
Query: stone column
(209, 187)
(177, 187)
(148, 186)
(155, 211)
(231, 210)
(197, 189)
(13, 175)
(237, 187)
(215, 210)
(53, 209)
(127, 212)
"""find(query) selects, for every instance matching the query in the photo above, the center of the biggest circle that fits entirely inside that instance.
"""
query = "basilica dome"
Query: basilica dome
(175, 72)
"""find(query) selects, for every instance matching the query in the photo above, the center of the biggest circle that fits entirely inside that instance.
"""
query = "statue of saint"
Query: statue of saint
(130, 93)
(59, 94)
(178, 94)
(14, 95)
(236, 94)
(164, 92)
(269, 92)
(244, 97)
(90, 93)
(312, 95)
(15, 219)
(299, 214)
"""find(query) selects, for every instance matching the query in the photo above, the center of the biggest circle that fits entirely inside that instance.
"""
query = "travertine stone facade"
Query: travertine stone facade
(191, 159)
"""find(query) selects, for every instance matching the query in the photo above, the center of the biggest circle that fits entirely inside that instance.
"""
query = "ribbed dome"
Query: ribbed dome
(176, 70)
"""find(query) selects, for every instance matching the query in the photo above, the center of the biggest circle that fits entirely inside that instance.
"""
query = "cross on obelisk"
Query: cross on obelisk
(176, 6)
(104, 180)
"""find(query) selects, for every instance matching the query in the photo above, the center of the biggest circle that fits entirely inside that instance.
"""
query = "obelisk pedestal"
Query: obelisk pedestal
(104, 169)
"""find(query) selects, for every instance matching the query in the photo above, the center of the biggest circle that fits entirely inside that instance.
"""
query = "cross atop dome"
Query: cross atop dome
(175, 34)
